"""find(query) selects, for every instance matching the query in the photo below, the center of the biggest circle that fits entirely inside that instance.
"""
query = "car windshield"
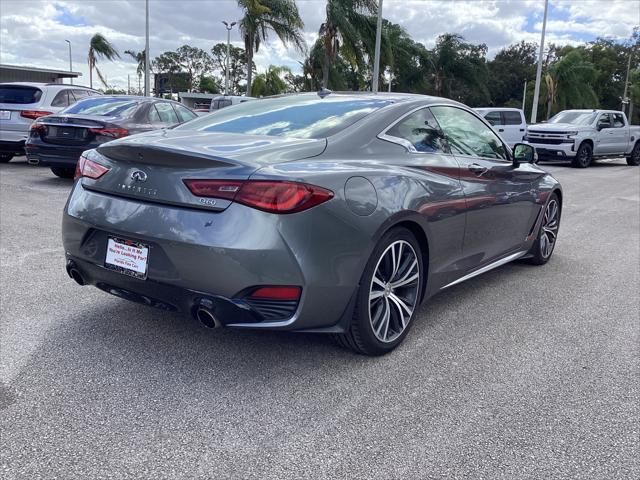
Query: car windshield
(299, 117)
(106, 107)
(574, 118)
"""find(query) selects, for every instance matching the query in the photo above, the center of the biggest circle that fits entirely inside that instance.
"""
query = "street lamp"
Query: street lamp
(376, 56)
(226, 67)
(70, 62)
(536, 91)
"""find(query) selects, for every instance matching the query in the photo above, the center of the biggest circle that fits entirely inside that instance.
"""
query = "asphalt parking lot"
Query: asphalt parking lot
(525, 372)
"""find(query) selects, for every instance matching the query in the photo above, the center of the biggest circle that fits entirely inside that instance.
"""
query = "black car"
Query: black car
(56, 141)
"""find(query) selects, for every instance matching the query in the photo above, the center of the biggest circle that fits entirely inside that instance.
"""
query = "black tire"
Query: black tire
(360, 336)
(633, 160)
(63, 172)
(584, 156)
(538, 254)
(6, 157)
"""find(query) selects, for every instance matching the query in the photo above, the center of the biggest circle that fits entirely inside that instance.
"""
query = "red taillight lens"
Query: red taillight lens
(33, 114)
(277, 293)
(112, 132)
(89, 168)
(269, 196)
(38, 127)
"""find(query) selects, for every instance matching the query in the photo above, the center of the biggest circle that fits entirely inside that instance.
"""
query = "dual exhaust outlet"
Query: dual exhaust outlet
(203, 311)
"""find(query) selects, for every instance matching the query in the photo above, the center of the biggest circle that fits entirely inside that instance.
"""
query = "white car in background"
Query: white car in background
(23, 102)
(510, 123)
(226, 101)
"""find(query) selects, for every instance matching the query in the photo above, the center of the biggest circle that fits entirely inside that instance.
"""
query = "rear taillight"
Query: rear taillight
(89, 168)
(277, 293)
(111, 132)
(33, 114)
(38, 128)
(269, 196)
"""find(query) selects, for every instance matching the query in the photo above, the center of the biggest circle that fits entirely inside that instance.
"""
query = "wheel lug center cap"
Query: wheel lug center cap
(387, 290)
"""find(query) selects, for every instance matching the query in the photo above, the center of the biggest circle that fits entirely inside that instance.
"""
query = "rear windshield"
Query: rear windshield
(299, 117)
(107, 107)
(574, 117)
(19, 94)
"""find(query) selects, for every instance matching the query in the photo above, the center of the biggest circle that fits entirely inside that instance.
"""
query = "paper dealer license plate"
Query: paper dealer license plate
(127, 257)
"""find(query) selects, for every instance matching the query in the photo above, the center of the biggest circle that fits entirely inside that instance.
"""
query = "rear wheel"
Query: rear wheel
(634, 159)
(583, 156)
(63, 172)
(388, 296)
(5, 157)
(544, 245)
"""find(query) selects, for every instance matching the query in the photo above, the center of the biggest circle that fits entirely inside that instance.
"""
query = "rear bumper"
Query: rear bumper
(197, 255)
(53, 156)
(16, 147)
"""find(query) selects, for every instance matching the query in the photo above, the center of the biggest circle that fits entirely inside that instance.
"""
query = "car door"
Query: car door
(501, 206)
(514, 127)
(617, 137)
(602, 144)
(442, 201)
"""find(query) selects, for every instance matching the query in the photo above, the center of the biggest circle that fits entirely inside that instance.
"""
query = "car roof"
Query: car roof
(42, 84)
(498, 109)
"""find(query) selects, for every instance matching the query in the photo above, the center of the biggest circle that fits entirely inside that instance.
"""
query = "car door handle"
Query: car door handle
(501, 129)
(522, 129)
(477, 169)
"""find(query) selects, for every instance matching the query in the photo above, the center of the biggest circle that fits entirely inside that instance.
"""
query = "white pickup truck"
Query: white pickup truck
(582, 135)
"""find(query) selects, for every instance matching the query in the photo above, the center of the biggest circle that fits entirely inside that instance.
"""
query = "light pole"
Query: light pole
(536, 92)
(228, 26)
(146, 53)
(376, 61)
(70, 61)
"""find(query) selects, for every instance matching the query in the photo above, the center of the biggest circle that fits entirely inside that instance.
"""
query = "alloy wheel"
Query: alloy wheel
(550, 225)
(394, 289)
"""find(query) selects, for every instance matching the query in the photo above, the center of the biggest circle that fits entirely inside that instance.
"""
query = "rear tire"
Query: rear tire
(633, 160)
(545, 243)
(5, 157)
(63, 172)
(388, 296)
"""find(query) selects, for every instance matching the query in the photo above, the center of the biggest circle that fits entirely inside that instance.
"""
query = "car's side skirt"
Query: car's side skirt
(486, 268)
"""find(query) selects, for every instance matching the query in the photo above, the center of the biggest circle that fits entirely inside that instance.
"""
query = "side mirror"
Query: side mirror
(523, 153)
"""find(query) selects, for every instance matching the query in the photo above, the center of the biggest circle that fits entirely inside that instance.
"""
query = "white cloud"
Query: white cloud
(32, 32)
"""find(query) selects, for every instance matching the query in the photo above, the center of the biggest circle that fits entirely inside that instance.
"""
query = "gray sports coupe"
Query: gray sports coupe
(327, 212)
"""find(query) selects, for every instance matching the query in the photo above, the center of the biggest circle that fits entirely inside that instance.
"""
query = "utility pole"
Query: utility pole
(228, 26)
(536, 92)
(147, 91)
(128, 84)
(376, 61)
(71, 62)
(524, 95)
(625, 99)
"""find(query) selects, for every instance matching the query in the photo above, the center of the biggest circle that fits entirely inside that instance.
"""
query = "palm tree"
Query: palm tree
(271, 82)
(569, 83)
(260, 17)
(100, 47)
(139, 57)
(347, 28)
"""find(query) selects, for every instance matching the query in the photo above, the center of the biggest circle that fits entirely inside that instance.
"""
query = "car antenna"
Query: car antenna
(323, 92)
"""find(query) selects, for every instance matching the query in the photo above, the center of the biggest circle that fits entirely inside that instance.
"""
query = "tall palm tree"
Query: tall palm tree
(260, 17)
(139, 57)
(99, 48)
(271, 82)
(347, 28)
(569, 83)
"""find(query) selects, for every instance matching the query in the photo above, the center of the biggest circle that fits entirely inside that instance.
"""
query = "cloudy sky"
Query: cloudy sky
(33, 32)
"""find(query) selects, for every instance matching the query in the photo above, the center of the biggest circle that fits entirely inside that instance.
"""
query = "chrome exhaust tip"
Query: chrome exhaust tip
(206, 318)
(75, 274)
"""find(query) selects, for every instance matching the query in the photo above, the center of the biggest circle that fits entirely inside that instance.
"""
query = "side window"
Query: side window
(184, 114)
(165, 113)
(421, 131)
(604, 121)
(494, 118)
(80, 94)
(467, 135)
(153, 115)
(62, 99)
(512, 118)
(618, 120)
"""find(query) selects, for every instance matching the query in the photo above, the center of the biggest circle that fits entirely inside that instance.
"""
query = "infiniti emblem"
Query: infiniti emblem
(139, 176)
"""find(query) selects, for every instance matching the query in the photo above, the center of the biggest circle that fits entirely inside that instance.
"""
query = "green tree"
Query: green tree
(193, 61)
(408, 61)
(509, 70)
(99, 48)
(209, 84)
(568, 82)
(271, 82)
(347, 29)
(237, 65)
(261, 17)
